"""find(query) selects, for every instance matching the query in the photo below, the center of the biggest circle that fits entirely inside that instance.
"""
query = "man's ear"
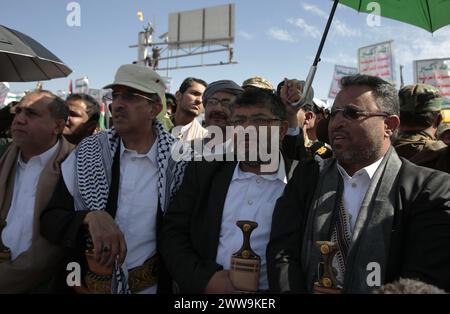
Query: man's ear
(391, 124)
(178, 96)
(309, 117)
(437, 121)
(156, 109)
(60, 124)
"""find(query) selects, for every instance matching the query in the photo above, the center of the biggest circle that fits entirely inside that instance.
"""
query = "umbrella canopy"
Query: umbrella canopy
(23, 59)
(427, 14)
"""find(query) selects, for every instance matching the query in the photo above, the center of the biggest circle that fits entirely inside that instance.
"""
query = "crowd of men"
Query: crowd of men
(358, 200)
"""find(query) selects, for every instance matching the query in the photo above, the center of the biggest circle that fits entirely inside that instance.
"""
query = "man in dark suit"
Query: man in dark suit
(386, 217)
(199, 230)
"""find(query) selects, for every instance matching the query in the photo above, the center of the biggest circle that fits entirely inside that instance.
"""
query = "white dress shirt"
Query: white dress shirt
(137, 205)
(18, 233)
(355, 188)
(189, 132)
(250, 197)
(137, 202)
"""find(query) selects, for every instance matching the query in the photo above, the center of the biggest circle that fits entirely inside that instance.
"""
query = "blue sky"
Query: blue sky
(274, 39)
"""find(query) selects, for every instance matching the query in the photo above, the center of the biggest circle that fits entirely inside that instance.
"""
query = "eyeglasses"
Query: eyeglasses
(257, 121)
(351, 113)
(215, 101)
(127, 96)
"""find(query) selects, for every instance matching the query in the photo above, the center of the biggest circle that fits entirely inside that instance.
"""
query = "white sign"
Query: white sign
(435, 72)
(82, 85)
(377, 60)
(339, 72)
(4, 89)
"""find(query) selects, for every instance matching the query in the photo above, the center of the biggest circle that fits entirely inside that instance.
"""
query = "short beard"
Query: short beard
(368, 153)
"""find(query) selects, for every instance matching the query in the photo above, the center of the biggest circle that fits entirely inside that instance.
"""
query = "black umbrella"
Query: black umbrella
(23, 59)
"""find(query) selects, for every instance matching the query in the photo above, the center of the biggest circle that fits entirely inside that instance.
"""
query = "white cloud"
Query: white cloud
(341, 59)
(308, 30)
(246, 35)
(341, 29)
(315, 10)
(412, 43)
(280, 34)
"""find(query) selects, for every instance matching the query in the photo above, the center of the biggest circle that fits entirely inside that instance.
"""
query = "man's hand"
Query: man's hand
(220, 283)
(107, 238)
(290, 93)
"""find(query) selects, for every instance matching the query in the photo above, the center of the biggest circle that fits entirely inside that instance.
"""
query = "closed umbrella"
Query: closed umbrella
(23, 59)
(427, 14)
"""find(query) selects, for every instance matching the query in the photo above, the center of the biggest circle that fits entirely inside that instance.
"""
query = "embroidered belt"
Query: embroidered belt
(98, 279)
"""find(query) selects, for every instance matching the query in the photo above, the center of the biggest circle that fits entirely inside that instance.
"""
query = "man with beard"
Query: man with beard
(217, 98)
(386, 217)
(199, 231)
(189, 108)
(83, 117)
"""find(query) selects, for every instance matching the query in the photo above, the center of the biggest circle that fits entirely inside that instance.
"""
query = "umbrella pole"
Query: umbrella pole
(313, 68)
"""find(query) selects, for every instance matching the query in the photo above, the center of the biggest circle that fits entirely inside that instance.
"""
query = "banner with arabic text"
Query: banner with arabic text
(377, 60)
(339, 72)
(435, 72)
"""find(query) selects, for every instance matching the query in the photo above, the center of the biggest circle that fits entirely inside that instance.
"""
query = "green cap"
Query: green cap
(443, 127)
(420, 98)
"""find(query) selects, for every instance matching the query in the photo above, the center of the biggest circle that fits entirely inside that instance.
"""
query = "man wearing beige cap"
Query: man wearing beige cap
(114, 190)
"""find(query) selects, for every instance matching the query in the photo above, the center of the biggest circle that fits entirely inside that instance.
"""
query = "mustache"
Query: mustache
(218, 115)
(339, 132)
(121, 112)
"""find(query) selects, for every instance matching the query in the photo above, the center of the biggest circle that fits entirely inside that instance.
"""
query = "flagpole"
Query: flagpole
(313, 68)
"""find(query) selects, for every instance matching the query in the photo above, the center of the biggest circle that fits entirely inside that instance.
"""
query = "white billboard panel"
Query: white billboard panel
(199, 27)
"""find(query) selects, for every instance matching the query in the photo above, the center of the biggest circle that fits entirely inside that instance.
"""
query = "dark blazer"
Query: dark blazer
(420, 235)
(191, 227)
(63, 225)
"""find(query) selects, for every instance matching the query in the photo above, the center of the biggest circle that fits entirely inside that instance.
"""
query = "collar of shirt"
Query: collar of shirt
(151, 154)
(279, 175)
(42, 158)
(369, 170)
(187, 126)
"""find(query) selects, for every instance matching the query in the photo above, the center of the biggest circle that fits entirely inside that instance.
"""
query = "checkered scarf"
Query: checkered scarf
(94, 159)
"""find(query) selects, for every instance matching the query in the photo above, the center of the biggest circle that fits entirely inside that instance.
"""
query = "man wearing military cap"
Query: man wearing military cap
(257, 82)
(420, 106)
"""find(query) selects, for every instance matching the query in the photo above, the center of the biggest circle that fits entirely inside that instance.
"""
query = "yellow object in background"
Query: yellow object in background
(445, 115)
(140, 16)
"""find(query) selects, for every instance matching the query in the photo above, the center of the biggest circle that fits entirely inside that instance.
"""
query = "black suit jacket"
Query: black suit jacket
(191, 227)
(420, 235)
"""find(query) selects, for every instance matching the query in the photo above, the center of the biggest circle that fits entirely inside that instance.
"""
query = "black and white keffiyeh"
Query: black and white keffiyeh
(94, 159)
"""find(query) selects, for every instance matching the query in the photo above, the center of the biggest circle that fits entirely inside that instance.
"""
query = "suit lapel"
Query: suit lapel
(216, 197)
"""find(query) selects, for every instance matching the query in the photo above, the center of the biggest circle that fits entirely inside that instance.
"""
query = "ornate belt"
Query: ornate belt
(139, 278)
